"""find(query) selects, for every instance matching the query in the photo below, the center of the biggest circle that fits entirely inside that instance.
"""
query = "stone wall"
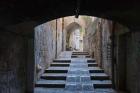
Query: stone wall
(92, 40)
(48, 44)
(97, 41)
(98, 44)
(59, 36)
(13, 62)
(50, 41)
(133, 62)
(106, 28)
(120, 56)
(43, 47)
(127, 59)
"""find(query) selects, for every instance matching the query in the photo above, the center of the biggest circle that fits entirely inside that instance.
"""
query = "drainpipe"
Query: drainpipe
(56, 41)
(113, 56)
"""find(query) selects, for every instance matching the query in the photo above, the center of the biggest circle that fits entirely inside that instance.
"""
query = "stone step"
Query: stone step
(73, 56)
(95, 70)
(102, 83)
(106, 90)
(54, 76)
(87, 56)
(50, 83)
(79, 87)
(92, 64)
(62, 61)
(79, 54)
(91, 61)
(99, 76)
(55, 64)
(57, 70)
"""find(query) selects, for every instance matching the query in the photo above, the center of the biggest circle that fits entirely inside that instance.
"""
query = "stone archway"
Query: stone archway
(73, 28)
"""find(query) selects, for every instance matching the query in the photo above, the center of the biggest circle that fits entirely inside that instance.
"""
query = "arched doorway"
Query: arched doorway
(74, 38)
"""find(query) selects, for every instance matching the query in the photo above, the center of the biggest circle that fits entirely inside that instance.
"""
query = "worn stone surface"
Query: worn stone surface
(13, 62)
(78, 78)
(92, 40)
(133, 61)
(97, 42)
(126, 48)
(50, 41)
(43, 48)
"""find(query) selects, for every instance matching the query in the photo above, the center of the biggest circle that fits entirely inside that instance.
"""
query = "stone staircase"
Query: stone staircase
(55, 75)
(78, 74)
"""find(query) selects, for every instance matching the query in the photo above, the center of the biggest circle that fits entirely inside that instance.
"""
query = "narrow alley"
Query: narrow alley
(73, 73)
(69, 46)
(81, 55)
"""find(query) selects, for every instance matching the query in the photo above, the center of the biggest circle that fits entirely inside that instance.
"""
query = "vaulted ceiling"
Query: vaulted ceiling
(16, 11)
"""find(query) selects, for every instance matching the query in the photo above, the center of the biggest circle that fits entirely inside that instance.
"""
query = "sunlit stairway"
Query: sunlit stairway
(55, 75)
(54, 80)
(100, 79)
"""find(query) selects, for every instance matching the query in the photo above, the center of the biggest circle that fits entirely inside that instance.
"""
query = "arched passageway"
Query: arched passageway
(99, 40)
(74, 37)
(17, 38)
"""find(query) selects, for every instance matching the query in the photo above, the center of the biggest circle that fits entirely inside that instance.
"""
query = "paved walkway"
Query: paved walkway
(72, 72)
(78, 78)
